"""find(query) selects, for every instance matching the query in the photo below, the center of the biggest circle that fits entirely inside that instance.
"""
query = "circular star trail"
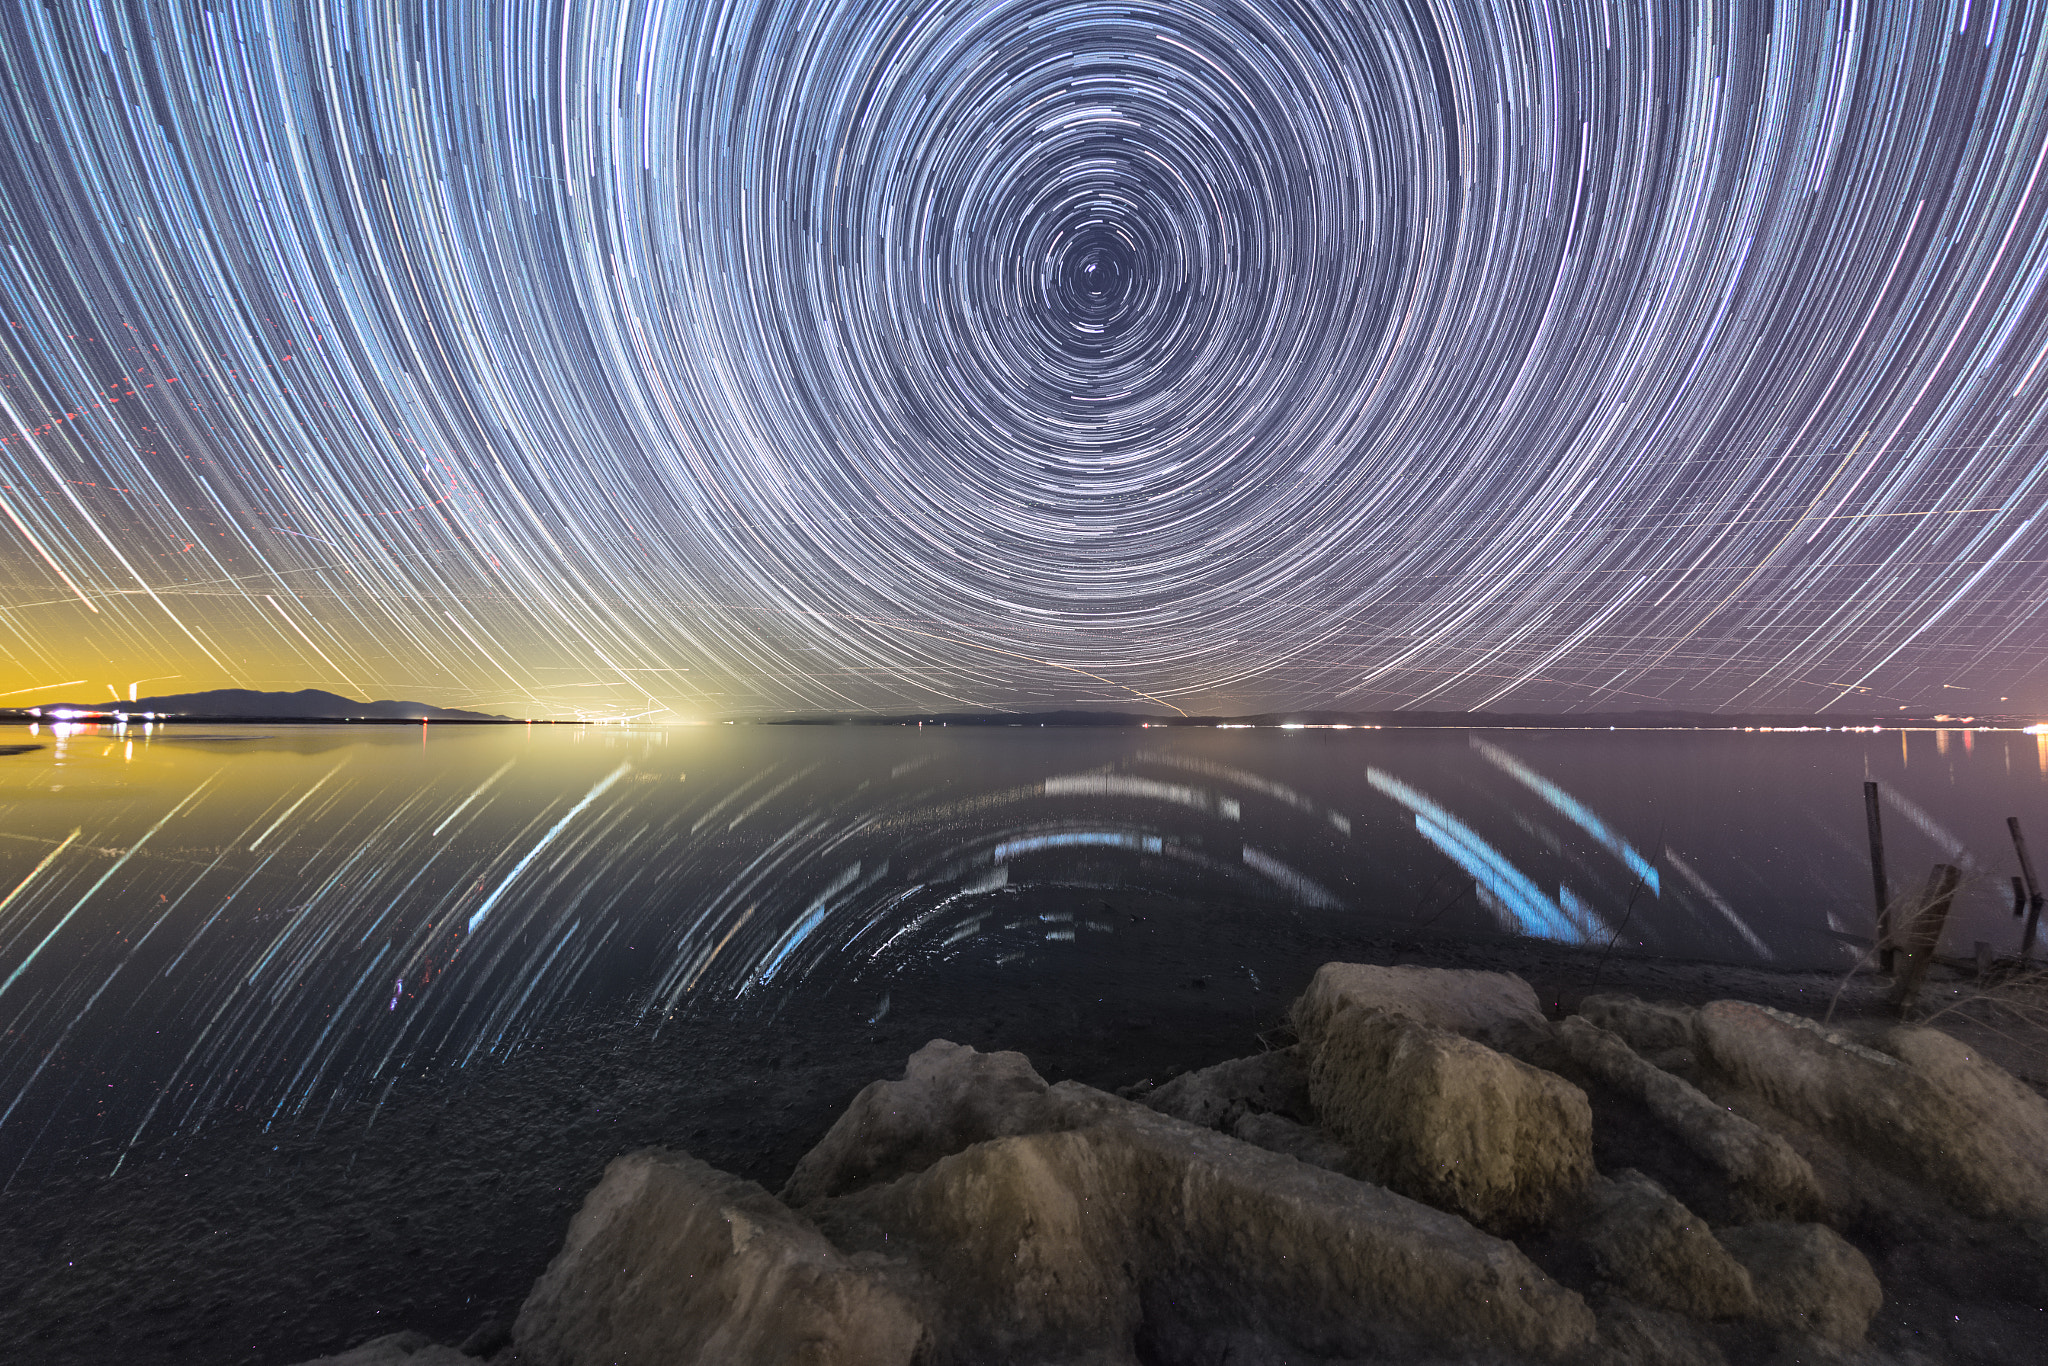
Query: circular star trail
(731, 358)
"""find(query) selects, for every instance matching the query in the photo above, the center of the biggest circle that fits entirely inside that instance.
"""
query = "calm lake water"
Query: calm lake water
(277, 920)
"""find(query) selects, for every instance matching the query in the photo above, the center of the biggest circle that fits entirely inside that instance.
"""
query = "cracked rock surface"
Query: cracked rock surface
(1434, 1172)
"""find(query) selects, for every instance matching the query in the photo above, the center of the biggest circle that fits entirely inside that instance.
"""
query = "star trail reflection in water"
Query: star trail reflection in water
(274, 921)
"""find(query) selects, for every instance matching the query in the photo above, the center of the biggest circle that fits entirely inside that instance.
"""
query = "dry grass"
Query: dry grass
(2014, 1009)
(2009, 1005)
(2009, 1002)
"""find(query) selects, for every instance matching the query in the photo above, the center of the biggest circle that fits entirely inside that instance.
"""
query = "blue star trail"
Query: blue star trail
(719, 359)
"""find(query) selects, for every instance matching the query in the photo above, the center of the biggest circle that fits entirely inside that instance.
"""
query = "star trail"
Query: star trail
(629, 357)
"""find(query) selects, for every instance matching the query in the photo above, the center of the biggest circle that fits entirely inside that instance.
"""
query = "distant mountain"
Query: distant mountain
(246, 704)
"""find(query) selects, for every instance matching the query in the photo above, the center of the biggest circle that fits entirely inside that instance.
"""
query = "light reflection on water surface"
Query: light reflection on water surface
(272, 920)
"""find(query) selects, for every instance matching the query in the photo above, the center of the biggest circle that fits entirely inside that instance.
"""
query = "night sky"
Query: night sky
(632, 356)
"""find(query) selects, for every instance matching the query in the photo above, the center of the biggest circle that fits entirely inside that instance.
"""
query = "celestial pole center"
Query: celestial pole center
(767, 355)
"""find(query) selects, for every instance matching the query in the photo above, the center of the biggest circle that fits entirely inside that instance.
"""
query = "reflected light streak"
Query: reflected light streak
(1532, 911)
(490, 902)
(1572, 809)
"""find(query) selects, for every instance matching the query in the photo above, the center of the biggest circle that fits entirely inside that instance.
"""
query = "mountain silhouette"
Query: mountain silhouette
(247, 704)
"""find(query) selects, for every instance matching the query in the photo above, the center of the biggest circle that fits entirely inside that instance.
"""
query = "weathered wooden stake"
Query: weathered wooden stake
(2019, 898)
(2034, 898)
(1877, 878)
(1922, 931)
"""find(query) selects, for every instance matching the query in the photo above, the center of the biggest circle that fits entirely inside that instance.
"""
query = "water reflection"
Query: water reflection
(273, 921)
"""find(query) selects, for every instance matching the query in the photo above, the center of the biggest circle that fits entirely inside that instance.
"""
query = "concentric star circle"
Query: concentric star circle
(1065, 302)
(633, 356)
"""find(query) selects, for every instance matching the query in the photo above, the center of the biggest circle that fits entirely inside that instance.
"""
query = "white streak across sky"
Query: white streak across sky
(721, 358)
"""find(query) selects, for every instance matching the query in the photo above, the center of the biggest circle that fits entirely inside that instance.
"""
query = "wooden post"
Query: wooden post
(2034, 898)
(1877, 878)
(1922, 931)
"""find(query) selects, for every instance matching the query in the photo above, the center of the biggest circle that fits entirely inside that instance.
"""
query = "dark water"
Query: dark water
(277, 921)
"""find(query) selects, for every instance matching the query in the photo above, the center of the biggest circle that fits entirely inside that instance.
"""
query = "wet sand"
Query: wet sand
(437, 1211)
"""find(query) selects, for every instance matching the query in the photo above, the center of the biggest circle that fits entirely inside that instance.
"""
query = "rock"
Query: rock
(1647, 1027)
(1772, 1177)
(1215, 1097)
(2002, 1158)
(1125, 1222)
(396, 1349)
(1927, 1106)
(1026, 1253)
(950, 1096)
(487, 1338)
(1634, 1335)
(672, 1260)
(1278, 1134)
(1450, 1121)
(1659, 1253)
(1808, 1280)
(1478, 1005)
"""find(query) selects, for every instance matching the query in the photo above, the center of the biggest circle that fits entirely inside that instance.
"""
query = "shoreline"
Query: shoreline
(81, 714)
(436, 1210)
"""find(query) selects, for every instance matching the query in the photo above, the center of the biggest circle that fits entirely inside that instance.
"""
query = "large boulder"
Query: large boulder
(1920, 1102)
(1026, 1251)
(1217, 1097)
(1772, 1178)
(1809, 1281)
(1125, 1221)
(1649, 1027)
(1449, 1121)
(1659, 1253)
(1632, 1334)
(950, 1096)
(2001, 1163)
(1480, 1005)
(1312, 1144)
(670, 1260)
(396, 1349)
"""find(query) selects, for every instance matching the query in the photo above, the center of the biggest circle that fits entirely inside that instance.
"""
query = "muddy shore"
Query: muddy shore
(436, 1211)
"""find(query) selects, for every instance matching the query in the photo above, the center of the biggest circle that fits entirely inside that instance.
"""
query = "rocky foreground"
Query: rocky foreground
(1414, 1179)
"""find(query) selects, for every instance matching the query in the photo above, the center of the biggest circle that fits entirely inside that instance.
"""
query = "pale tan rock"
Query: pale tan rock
(1761, 1166)
(950, 1096)
(1922, 1103)
(1476, 1004)
(1635, 1335)
(1659, 1253)
(396, 1349)
(1993, 1150)
(1809, 1281)
(1305, 1143)
(1646, 1026)
(1040, 1245)
(1449, 1121)
(670, 1260)
(1026, 1249)
(1216, 1097)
